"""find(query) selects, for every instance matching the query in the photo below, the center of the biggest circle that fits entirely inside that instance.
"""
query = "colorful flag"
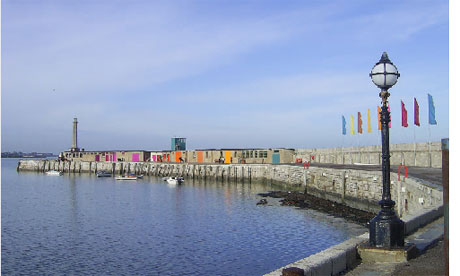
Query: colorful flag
(404, 115)
(360, 123)
(431, 111)
(416, 113)
(344, 130)
(369, 128)
(352, 125)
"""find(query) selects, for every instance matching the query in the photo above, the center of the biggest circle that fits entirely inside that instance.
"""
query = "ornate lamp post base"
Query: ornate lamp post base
(370, 254)
(386, 230)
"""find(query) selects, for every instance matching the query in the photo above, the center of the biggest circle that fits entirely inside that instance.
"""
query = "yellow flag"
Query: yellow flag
(379, 110)
(369, 128)
(352, 125)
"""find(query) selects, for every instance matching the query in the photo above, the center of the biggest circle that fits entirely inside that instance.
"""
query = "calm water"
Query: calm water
(80, 225)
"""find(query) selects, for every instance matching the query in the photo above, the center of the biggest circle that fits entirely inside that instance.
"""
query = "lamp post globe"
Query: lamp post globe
(386, 230)
(384, 74)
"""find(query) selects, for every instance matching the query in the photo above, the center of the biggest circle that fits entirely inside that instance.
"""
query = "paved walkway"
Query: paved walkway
(429, 262)
(433, 175)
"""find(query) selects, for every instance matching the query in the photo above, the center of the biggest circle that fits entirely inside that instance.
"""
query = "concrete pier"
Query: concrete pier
(355, 187)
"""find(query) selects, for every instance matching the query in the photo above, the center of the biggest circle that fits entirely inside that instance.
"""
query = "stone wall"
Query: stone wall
(355, 188)
(418, 154)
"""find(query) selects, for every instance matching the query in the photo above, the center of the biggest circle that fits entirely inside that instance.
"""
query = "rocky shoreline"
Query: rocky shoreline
(306, 201)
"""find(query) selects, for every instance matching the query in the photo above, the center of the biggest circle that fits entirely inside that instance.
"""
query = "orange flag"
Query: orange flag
(369, 128)
(379, 110)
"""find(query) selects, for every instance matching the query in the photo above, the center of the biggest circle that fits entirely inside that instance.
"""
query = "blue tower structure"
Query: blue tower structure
(177, 144)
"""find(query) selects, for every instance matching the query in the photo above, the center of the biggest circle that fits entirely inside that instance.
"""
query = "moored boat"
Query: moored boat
(103, 174)
(53, 172)
(174, 180)
(128, 177)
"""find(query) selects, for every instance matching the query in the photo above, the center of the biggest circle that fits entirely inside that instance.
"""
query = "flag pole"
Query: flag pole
(431, 120)
(360, 124)
(344, 133)
(415, 150)
(429, 141)
(378, 132)
(343, 138)
(416, 123)
(359, 148)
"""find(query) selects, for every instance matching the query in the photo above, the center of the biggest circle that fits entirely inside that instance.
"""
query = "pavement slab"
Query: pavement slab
(431, 261)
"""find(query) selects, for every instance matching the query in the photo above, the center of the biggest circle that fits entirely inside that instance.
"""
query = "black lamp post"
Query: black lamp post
(386, 230)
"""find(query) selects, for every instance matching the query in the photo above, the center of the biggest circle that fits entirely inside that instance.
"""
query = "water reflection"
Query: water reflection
(73, 201)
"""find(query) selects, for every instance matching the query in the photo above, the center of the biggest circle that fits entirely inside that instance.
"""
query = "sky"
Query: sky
(223, 74)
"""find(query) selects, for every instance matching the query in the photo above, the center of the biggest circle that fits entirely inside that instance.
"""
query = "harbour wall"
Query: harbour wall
(414, 154)
(356, 188)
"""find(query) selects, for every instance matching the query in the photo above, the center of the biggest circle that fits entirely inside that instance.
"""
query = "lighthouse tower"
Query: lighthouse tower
(74, 136)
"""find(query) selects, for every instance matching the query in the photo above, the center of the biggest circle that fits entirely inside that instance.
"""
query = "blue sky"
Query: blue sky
(223, 74)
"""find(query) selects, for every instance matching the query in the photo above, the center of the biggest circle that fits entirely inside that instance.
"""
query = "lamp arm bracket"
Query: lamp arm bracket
(384, 95)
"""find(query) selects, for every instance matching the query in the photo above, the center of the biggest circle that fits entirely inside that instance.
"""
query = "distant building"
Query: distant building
(178, 144)
(107, 156)
(26, 155)
(77, 154)
(179, 154)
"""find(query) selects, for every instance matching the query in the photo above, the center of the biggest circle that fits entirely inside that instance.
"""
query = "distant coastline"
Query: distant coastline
(27, 154)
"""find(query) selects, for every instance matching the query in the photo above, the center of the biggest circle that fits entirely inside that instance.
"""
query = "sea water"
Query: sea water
(78, 224)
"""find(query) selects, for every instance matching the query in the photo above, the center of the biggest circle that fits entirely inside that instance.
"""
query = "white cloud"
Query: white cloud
(286, 88)
(399, 23)
(88, 57)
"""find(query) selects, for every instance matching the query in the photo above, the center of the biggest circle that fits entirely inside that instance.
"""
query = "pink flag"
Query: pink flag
(379, 110)
(404, 115)
(416, 113)
(389, 124)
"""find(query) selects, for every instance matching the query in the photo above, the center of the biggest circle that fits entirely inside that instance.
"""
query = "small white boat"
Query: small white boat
(53, 172)
(174, 180)
(126, 177)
